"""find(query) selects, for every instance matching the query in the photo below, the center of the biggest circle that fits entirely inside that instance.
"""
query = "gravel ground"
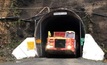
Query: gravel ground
(54, 61)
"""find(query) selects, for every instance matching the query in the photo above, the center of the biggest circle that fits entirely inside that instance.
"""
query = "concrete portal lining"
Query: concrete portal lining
(65, 21)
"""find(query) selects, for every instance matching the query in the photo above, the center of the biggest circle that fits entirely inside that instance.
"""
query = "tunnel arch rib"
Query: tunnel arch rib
(59, 20)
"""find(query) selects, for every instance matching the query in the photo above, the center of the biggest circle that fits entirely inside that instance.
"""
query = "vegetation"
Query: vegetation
(9, 38)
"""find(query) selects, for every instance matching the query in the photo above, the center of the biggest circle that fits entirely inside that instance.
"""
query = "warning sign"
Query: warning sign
(30, 45)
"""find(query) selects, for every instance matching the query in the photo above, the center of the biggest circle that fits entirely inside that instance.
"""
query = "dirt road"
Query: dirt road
(54, 61)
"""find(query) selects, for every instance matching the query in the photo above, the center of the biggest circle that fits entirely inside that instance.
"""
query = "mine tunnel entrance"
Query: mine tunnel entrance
(59, 20)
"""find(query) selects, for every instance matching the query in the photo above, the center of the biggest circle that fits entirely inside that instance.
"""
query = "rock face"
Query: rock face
(4, 37)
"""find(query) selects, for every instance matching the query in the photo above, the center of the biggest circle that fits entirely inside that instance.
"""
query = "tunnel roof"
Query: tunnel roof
(59, 12)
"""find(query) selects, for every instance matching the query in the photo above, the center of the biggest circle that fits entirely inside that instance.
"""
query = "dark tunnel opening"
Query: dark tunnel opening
(52, 23)
(60, 23)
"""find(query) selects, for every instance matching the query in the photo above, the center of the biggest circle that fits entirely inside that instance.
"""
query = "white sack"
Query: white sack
(22, 50)
(91, 50)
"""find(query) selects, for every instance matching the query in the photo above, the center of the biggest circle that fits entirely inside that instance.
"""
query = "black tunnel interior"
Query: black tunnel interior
(52, 23)
(59, 23)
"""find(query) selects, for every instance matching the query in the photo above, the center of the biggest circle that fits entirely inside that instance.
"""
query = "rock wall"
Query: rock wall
(4, 36)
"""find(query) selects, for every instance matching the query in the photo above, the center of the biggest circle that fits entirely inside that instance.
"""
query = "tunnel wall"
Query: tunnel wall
(69, 21)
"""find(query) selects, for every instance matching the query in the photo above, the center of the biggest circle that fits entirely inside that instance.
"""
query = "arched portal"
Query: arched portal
(59, 20)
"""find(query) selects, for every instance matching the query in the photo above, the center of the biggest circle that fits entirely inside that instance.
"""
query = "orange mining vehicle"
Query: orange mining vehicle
(61, 43)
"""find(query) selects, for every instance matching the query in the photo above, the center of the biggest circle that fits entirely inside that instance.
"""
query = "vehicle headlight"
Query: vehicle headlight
(49, 46)
(69, 47)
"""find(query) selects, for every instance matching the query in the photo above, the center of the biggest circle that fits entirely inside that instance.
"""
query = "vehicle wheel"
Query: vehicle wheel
(48, 55)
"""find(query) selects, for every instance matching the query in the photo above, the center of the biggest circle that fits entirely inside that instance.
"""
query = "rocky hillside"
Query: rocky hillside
(13, 32)
(94, 17)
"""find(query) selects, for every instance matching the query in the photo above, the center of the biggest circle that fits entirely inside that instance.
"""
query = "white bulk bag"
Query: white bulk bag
(91, 50)
(26, 50)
